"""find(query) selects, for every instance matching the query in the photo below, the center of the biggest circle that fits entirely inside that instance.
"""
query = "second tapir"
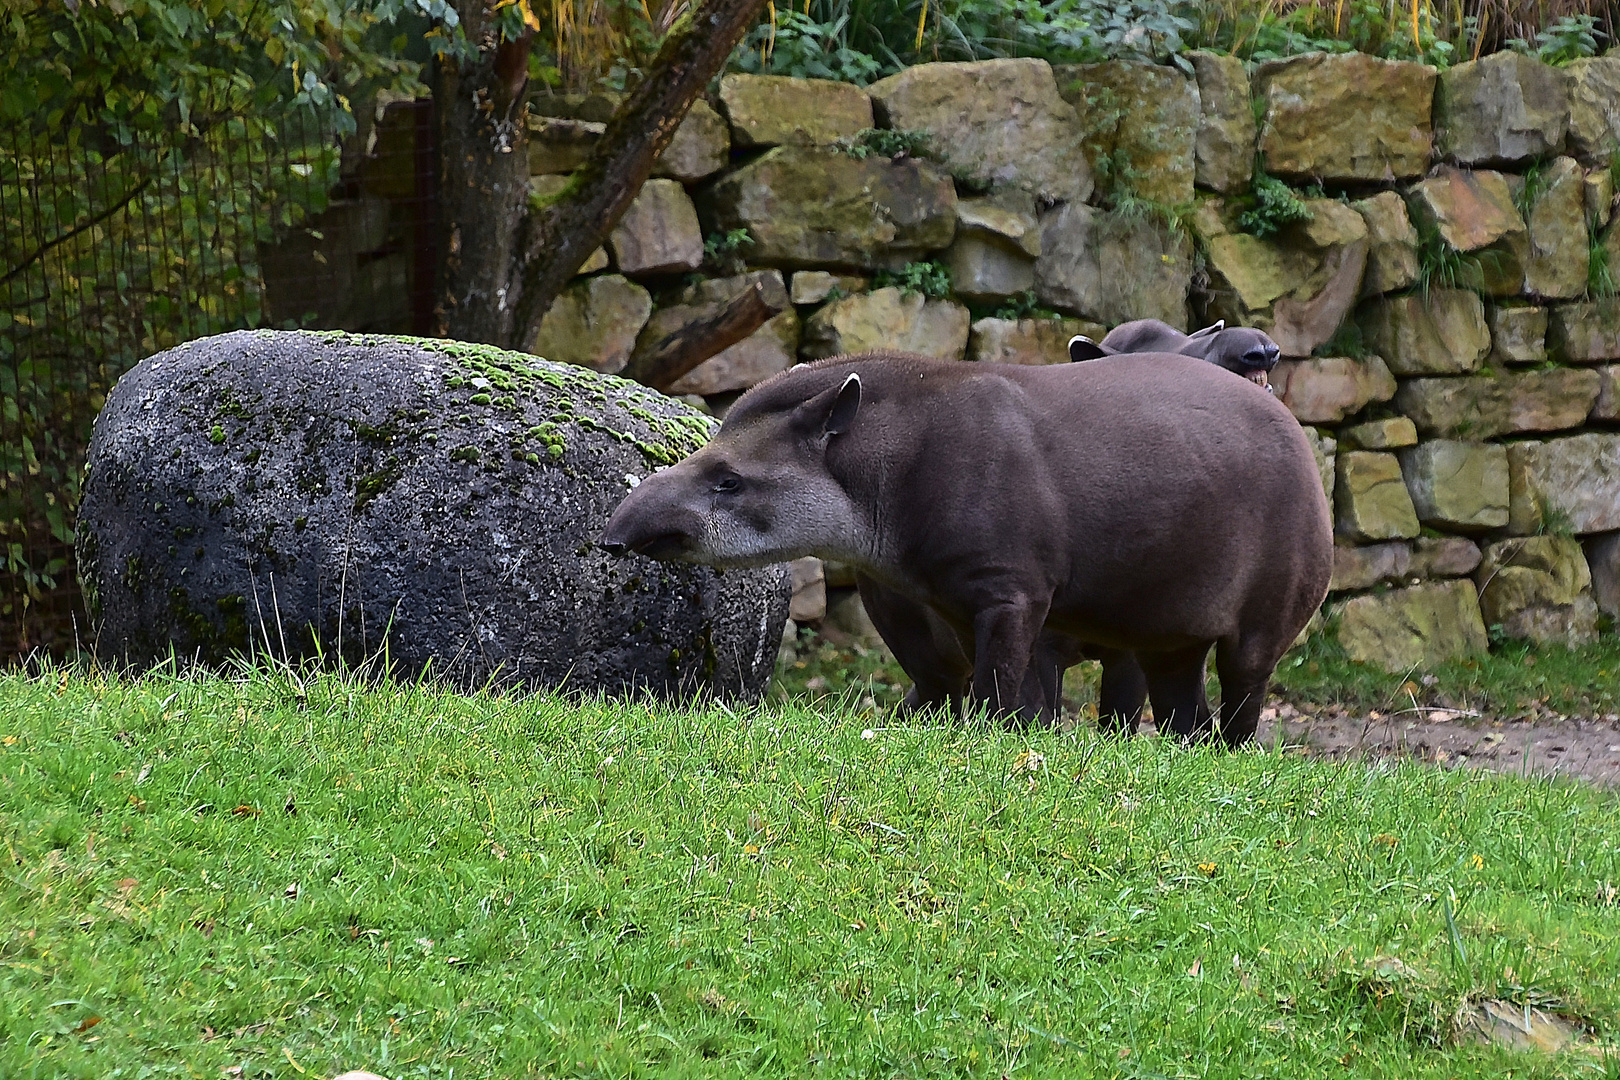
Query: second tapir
(1150, 503)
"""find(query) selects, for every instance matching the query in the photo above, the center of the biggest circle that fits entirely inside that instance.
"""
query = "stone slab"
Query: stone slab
(1406, 629)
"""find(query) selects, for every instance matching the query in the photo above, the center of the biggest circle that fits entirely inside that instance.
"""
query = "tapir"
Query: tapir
(1239, 349)
(1149, 503)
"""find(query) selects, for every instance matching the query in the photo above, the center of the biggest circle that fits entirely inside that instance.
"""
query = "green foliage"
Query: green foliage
(1261, 31)
(887, 142)
(799, 46)
(1273, 206)
(1600, 283)
(928, 278)
(1347, 340)
(723, 251)
(1531, 189)
(1024, 305)
(276, 870)
(1569, 38)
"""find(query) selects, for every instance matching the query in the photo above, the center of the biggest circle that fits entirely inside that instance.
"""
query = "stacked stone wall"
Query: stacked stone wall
(1438, 266)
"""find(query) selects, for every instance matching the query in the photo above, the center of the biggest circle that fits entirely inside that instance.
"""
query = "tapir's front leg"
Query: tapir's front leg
(1003, 638)
(926, 648)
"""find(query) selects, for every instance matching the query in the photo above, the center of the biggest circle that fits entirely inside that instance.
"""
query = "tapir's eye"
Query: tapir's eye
(727, 482)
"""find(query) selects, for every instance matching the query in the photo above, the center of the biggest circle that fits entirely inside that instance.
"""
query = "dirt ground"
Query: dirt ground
(1586, 749)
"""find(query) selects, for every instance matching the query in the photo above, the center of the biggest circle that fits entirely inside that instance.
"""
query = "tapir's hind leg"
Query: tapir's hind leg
(1175, 682)
(938, 668)
(1245, 671)
(1123, 692)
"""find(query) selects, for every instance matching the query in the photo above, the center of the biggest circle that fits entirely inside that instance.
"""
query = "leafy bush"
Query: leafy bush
(1024, 305)
(1274, 206)
(1570, 38)
(798, 46)
(887, 142)
(929, 278)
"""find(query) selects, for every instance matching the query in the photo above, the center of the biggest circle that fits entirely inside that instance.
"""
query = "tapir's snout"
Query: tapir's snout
(1262, 356)
(649, 523)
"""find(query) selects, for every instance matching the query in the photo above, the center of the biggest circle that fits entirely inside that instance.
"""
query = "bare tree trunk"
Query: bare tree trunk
(481, 108)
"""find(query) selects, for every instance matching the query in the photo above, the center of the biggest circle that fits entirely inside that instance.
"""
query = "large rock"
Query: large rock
(659, 234)
(1518, 334)
(1537, 587)
(818, 208)
(1460, 486)
(1223, 153)
(1363, 566)
(888, 319)
(986, 267)
(1113, 268)
(1392, 252)
(1422, 626)
(995, 121)
(1324, 390)
(1298, 285)
(594, 323)
(1594, 107)
(814, 286)
(1141, 121)
(1599, 196)
(1474, 213)
(560, 145)
(1343, 118)
(1502, 109)
(1443, 556)
(1607, 407)
(1027, 341)
(1370, 500)
(772, 348)
(701, 144)
(1008, 215)
(1324, 448)
(1585, 333)
(1442, 333)
(1603, 560)
(773, 110)
(435, 499)
(1391, 433)
(1485, 407)
(1559, 246)
(1572, 483)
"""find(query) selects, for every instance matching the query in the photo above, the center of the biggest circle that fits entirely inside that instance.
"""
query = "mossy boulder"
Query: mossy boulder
(1559, 247)
(774, 110)
(1475, 217)
(1594, 107)
(887, 318)
(1027, 341)
(1538, 587)
(1223, 153)
(1343, 118)
(1392, 252)
(1458, 486)
(1571, 483)
(1501, 109)
(1442, 332)
(1141, 122)
(1486, 406)
(1370, 500)
(1422, 626)
(428, 502)
(594, 323)
(1111, 268)
(1587, 332)
(1518, 334)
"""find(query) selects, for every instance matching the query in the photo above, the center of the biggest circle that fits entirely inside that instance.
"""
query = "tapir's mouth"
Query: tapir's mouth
(668, 545)
(1260, 377)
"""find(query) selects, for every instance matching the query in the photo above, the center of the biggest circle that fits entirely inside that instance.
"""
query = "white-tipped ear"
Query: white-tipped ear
(1083, 348)
(1209, 331)
(845, 406)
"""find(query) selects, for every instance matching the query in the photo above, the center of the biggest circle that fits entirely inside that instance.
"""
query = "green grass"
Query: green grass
(252, 873)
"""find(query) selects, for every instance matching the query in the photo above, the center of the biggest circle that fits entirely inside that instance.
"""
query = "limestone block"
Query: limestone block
(815, 208)
(1485, 407)
(768, 350)
(560, 145)
(1008, 214)
(1142, 116)
(1518, 334)
(1462, 486)
(985, 267)
(1223, 152)
(1363, 566)
(1502, 109)
(1324, 390)
(594, 323)
(1603, 560)
(659, 233)
(1388, 434)
(1027, 341)
(1443, 556)
(1392, 254)
(1584, 333)
(1537, 587)
(1594, 107)
(1422, 626)
(1443, 333)
(1112, 268)
(1370, 499)
(1324, 448)
(1607, 406)
(809, 602)
(1571, 482)
(997, 121)
(1599, 196)
(774, 110)
(1475, 216)
(1345, 117)
(887, 319)
(814, 286)
(1559, 246)
(701, 146)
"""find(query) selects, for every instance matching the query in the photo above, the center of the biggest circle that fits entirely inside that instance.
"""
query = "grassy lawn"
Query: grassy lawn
(209, 874)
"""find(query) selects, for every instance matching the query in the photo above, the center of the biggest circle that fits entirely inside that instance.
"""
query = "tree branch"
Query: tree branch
(559, 237)
(679, 352)
(108, 212)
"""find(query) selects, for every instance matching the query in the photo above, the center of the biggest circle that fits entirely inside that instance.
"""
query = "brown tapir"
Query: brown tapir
(1149, 503)
(1241, 350)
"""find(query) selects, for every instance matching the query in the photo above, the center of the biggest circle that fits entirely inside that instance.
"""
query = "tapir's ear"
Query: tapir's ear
(1209, 331)
(845, 406)
(1083, 348)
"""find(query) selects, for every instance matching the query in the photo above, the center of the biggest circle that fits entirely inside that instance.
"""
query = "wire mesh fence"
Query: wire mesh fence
(117, 250)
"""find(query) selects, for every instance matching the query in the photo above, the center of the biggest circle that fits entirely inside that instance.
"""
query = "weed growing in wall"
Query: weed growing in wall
(1569, 38)
(1274, 206)
(887, 142)
(929, 278)
(723, 251)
